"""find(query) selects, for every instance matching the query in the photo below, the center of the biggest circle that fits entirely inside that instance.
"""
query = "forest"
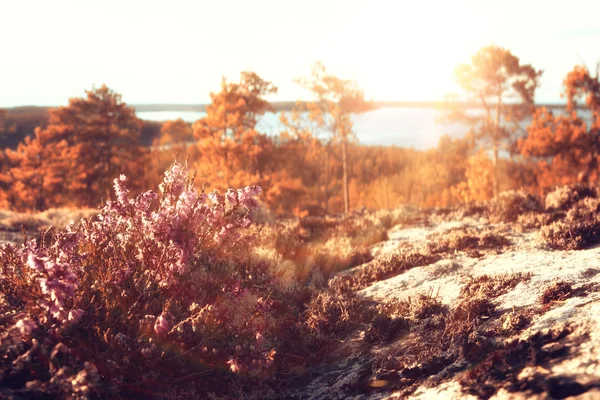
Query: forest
(210, 260)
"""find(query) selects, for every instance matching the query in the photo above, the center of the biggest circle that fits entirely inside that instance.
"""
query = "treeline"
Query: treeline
(20, 122)
(77, 150)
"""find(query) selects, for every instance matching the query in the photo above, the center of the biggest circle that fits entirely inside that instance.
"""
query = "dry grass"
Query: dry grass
(467, 239)
(492, 286)
(36, 222)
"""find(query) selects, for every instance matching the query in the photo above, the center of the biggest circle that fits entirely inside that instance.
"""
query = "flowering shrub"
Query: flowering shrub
(144, 282)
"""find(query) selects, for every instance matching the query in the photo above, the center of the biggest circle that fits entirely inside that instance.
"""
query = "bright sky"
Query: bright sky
(176, 51)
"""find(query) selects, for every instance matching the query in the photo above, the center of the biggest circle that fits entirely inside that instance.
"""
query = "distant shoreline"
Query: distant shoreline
(277, 106)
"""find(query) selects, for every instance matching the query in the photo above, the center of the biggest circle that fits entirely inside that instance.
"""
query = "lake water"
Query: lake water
(404, 127)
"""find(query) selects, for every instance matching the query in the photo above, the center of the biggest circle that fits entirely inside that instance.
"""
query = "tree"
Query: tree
(105, 135)
(336, 101)
(174, 133)
(174, 141)
(39, 171)
(236, 108)
(498, 82)
(232, 151)
(566, 147)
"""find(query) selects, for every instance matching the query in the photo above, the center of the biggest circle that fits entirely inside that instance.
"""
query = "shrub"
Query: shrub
(492, 286)
(381, 268)
(584, 209)
(571, 235)
(145, 282)
(563, 197)
(334, 314)
(509, 205)
(468, 239)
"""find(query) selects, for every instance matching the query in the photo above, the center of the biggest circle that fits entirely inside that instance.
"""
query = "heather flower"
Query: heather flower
(146, 352)
(163, 324)
(75, 315)
(86, 379)
(247, 196)
(260, 340)
(164, 245)
(57, 283)
(121, 190)
(234, 365)
(25, 327)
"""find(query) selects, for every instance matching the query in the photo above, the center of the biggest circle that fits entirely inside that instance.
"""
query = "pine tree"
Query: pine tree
(105, 135)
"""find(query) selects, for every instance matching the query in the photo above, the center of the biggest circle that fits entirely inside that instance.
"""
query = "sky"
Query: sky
(176, 51)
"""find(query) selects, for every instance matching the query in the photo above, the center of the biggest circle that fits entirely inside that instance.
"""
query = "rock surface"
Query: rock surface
(554, 335)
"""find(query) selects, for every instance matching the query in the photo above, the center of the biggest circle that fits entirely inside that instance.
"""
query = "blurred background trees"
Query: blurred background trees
(68, 156)
(567, 147)
(74, 159)
(504, 89)
(337, 99)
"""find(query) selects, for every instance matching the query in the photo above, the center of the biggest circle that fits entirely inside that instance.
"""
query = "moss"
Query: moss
(557, 292)
(492, 286)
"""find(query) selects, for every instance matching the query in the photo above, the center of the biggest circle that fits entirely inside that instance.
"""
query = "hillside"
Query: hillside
(493, 300)
(502, 314)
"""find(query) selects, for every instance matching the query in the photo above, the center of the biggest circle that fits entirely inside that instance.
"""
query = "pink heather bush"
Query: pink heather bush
(57, 283)
(144, 282)
(167, 239)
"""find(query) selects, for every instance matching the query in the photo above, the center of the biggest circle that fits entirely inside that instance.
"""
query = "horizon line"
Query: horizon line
(282, 103)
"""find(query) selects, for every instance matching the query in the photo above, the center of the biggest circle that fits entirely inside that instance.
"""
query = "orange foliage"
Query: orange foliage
(85, 145)
(231, 152)
(479, 177)
(76, 157)
(39, 170)
(567, 149)
(174, 133)
(175, 141)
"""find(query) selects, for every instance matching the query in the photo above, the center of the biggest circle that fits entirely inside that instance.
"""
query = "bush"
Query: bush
(564, 197)
(145, 282)
(508, 206)
(571, 235)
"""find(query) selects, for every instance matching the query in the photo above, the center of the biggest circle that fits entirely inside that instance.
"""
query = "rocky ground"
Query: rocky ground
(510, 318)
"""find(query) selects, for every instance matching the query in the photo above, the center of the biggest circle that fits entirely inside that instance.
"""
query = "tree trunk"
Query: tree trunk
(326, 183)
(387, 194)
(496, 145)
(495, 170)
(345, 176)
